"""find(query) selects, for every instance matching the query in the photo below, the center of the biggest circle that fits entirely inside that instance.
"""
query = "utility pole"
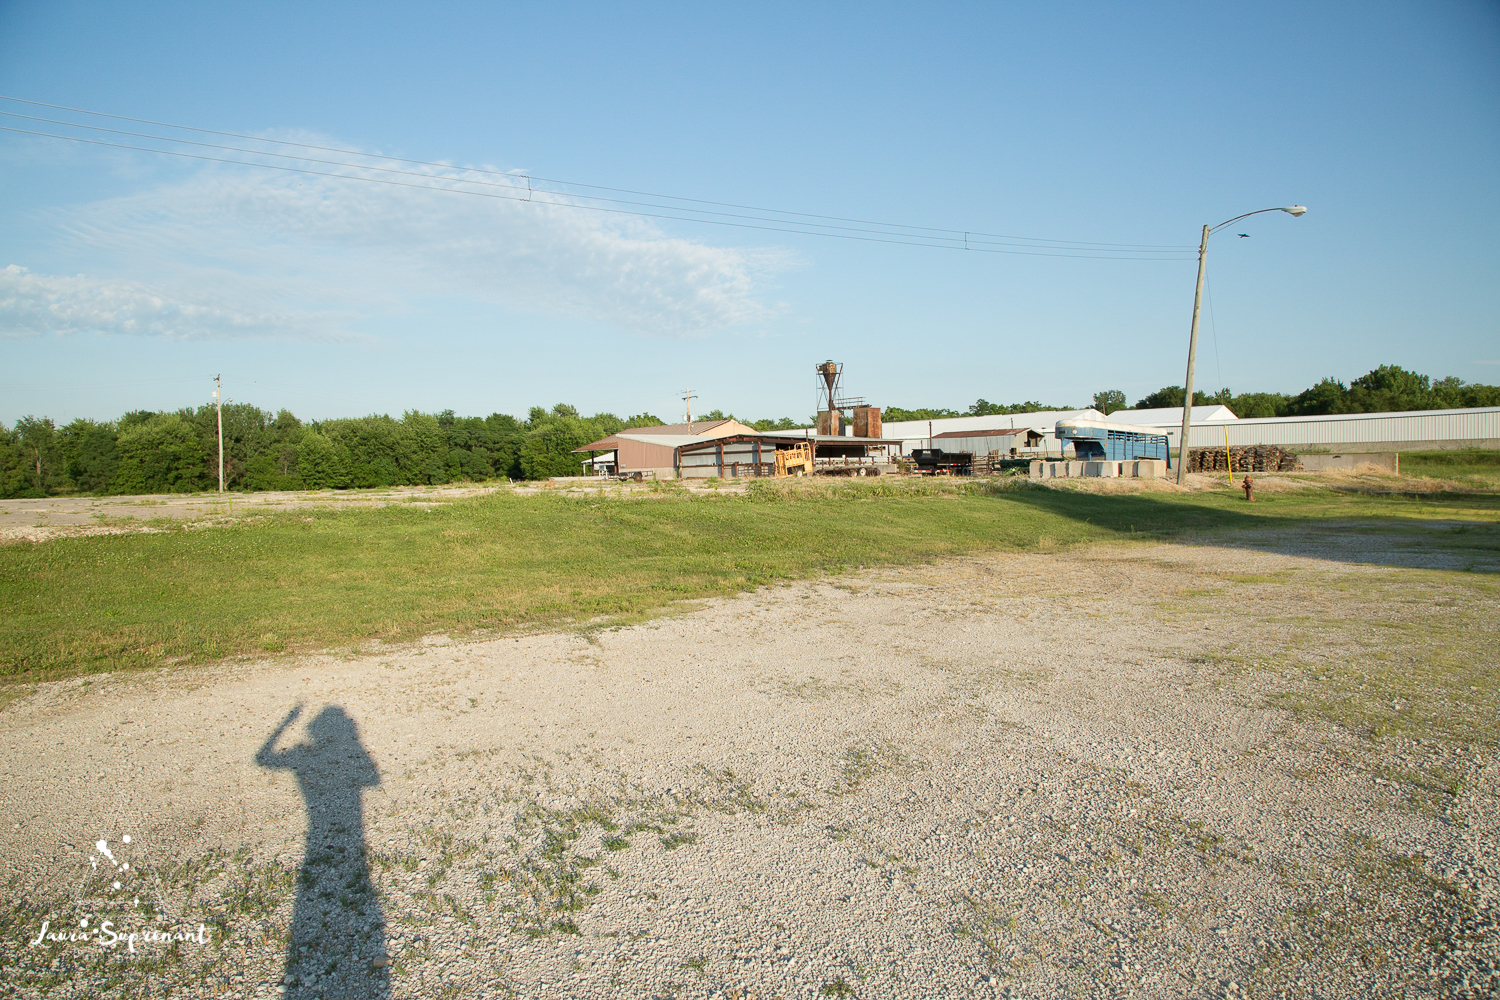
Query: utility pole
(1187, 390)
(688, 397)
(219, 411)
(1296, 212)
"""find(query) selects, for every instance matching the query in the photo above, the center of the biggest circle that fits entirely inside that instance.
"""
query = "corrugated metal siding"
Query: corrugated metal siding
(635, 455)
(1043, 422)
(981, 446)
(738, 458)
(1435, 426)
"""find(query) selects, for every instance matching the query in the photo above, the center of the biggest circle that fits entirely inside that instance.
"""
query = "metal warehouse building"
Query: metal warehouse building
(1416, 430)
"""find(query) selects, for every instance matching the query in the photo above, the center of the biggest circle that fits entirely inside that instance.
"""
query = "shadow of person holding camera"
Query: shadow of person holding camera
(337, 946)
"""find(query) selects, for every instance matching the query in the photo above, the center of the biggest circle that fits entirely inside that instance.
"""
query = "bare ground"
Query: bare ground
(43, 519)
(1127, 770)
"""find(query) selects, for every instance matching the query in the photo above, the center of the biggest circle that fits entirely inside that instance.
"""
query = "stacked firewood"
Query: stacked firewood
(1251, 458)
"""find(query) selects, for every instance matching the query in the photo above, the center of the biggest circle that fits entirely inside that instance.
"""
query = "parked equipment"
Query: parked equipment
(937, 462)
(794, 461)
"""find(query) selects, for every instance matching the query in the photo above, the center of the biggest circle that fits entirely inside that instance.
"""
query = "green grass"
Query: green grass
(1474, 466)
(319, 579)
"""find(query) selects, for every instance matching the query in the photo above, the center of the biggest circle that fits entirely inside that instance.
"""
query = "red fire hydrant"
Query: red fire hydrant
(1249, 488)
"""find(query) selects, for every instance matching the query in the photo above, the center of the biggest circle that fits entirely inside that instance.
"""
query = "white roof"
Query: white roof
(1095, 419)
(1042, 422)
(1171, 416)
(1407, 429)
(667, 440)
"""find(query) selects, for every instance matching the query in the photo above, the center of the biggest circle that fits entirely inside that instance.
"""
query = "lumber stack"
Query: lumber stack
(1250, 458)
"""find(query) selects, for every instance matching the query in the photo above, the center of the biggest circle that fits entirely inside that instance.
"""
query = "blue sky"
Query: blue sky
(129, 278)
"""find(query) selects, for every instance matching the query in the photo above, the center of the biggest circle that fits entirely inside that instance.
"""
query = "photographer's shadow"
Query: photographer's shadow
(337, 946)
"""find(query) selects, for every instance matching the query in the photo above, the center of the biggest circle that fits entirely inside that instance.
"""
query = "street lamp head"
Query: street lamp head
(1296, 210)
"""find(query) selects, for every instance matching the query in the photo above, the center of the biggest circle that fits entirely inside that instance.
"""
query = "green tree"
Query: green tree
(160, 453)
(89, 455)
(424, 458)
(378, 448)
(271, 462)
(1328, 396)
(1260, 404)
(896, 414)
(608, 424)
(1107, 401)
(504, 435)
(322, 463)
(12, 464)
(984, 408)
(1453, 393)
(548, 449)
(780, 424)
(40, 455)
(1171, 395)
(1389, 388)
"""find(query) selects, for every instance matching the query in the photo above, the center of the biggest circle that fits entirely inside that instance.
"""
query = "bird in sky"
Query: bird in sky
(1244, 236)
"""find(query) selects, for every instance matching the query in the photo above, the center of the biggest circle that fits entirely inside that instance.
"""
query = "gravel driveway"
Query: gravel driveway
(1115, 771)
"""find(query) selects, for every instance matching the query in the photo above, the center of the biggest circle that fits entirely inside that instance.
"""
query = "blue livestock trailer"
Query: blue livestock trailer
(1095, 439)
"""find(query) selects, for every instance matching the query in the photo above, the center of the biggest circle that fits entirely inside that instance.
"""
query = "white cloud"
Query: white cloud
(303, 255)
(35, 304)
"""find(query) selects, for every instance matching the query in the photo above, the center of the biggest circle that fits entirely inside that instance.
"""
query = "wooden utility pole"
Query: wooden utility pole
(219, 411)
(688, 397)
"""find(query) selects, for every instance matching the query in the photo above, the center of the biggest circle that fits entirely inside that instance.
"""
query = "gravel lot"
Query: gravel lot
(1102, 772)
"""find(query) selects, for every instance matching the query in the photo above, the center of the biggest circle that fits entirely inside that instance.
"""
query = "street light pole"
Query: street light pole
(1187, 391)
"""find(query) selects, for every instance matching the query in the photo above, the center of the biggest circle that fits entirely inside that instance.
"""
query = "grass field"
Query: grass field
(340, 578)
(1470, 465)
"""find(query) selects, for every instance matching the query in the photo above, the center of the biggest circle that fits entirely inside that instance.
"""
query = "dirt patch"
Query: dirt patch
(1154, 770)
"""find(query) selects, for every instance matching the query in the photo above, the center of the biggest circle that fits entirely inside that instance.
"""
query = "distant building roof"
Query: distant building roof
(1097, 420)
(669, 440)
(1171, 416)
(729, 424)
(1042, 421)
(1004, 432)
(697, 429)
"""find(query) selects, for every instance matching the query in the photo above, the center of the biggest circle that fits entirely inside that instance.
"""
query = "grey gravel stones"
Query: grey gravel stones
(1014, 776)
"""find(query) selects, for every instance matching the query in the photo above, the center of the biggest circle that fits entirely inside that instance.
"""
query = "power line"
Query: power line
(548, 180)
(102, 385)
(589, 208)
(972, 241)
(968, 239)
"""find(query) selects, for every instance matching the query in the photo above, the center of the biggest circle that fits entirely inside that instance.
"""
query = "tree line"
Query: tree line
(177, 452)
(1386, 389)
(981, 408)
